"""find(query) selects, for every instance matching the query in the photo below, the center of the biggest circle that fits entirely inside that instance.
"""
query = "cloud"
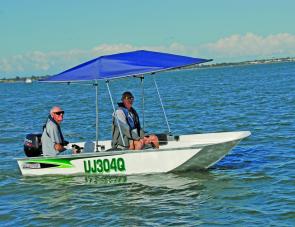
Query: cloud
(117, 48)
(40, 63)
(234, 47)
(253, 45)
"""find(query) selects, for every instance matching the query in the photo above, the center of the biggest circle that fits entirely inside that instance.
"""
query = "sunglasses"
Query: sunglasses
(59, 113)
(130, 98)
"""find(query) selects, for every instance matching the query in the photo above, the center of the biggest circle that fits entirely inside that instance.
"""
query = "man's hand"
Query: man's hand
(58, 147)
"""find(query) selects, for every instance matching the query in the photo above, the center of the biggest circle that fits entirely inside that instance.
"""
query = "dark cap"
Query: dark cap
(127, 94)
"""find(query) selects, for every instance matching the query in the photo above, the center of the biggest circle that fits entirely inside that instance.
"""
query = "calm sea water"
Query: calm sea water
(252, 186)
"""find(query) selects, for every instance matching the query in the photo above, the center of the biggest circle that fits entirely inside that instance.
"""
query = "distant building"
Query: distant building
(28, 81)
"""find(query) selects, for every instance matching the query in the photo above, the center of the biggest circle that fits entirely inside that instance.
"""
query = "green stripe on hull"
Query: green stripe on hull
(61, 163)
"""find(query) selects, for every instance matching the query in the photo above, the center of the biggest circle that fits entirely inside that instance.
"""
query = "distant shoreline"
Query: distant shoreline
(253, 62)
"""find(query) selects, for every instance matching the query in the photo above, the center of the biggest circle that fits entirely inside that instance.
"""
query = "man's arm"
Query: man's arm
(56, 139)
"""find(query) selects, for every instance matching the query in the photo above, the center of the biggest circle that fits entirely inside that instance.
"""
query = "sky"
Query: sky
(39, 38)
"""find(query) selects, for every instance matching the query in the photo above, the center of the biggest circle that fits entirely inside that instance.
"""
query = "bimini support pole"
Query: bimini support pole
(96, 134)
(142, 94)
(115, 114)
(162, 105)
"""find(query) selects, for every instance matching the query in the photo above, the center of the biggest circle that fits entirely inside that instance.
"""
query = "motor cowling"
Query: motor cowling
(33, 145)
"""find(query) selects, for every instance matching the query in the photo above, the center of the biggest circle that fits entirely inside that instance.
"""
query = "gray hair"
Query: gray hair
(53, 109)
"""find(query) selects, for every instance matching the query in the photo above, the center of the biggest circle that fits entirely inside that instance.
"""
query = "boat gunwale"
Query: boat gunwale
(243, 135)
(108, 153)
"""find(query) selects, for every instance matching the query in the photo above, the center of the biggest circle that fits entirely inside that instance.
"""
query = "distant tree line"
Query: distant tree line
(262, 61)
(21, 79)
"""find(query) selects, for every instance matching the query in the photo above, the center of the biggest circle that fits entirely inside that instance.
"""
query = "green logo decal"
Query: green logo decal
(53, 162)
(104, 165)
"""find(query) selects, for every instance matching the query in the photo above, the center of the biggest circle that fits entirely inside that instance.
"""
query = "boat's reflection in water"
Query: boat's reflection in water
(183, 180)
(100, 179)
(168, 180)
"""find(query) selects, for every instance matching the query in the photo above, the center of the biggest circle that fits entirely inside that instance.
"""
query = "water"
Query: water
(252, 186)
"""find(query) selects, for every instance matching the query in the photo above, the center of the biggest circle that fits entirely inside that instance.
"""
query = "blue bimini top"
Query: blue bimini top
(127, 64)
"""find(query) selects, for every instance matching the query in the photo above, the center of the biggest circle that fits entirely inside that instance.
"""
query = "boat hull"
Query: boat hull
(175, 157)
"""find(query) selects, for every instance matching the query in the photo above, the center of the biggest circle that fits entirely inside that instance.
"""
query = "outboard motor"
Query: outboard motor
(33, 145)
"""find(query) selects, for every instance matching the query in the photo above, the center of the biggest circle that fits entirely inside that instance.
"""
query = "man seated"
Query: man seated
(52, 139)
(132, 133)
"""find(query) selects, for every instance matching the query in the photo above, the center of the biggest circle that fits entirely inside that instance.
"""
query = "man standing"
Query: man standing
(132, 133)
(52, 139)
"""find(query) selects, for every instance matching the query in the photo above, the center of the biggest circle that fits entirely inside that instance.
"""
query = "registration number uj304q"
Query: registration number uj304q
(116, 165)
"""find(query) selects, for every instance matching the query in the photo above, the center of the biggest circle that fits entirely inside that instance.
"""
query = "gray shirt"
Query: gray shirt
(125, 127)
(50, 137)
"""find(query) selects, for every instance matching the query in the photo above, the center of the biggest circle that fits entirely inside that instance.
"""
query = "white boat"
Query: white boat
(28, 81)
(176, 153)
(183, 153)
